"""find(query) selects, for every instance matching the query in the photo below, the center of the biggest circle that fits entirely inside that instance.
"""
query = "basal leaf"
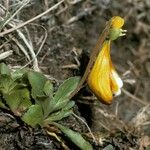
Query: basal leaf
(61, 97)
(44, 103)
(57, 116)
(65, 112)
(18, 73)
(25, 100)
(75, 137)
(48, 88)
(13, 100)
(6, 84)
(50, 106)
(18, 100)
(59, 105)
(4, 70)
(64, 105)
(69, 105)
(66, 88)
(37, 81)
(34, 116)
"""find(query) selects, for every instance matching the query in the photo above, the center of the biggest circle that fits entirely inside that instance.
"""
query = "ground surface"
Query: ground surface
(72, 31)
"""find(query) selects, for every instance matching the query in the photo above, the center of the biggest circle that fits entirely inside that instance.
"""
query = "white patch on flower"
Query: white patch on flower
(117, 93)
(118, 81)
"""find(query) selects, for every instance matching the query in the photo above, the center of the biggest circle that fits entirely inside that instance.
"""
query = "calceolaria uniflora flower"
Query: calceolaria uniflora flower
(103, 80)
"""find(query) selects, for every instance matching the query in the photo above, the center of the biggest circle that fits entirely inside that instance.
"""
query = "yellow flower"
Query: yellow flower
(117, 22)
(103, 79)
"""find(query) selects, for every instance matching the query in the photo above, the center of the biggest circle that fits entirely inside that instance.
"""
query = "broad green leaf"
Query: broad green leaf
(37, 81)
(18, 100)
(57, 116)
(67, 88)
(56, 106)
(13, 100)
(62, 95)
(4, 70)
(75, 137)
(18, 73)
(65, 112)
(59, 105)
(34, 116)
(44, 103)
(48, 88)
(64, 105)
(25, 100)
(69, 105)
(17, 86)
(6, 84)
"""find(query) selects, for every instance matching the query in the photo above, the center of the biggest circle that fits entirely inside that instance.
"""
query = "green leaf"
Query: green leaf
(61, 97)
(13, 100)
(67, 88)
(48, 88)
(53, 106)
(19, 73)
(33, 116)
(25, 101)
(44, 103)
(6, 84)
(47, 106)
(75, 137)
(65, 112)
(18, 100)
(65, 106)
(57, 116)
(69, 105)
(4, 70)
(37, 81)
